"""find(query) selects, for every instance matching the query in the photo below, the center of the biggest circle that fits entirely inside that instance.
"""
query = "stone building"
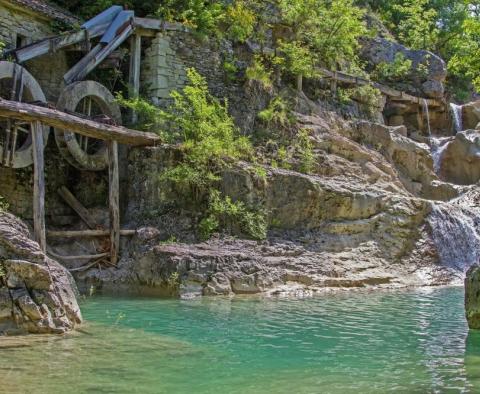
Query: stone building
(25, 21)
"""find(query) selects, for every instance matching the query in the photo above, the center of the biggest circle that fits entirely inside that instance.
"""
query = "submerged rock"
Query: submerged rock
(472, 297)
(37, 295)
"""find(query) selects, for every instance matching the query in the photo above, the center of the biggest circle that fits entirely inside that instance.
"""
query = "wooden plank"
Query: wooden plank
(38, 186)
(77, 206)
(114, 201)
(52, 44)
(80, 257)
(393, 93)
(71, 75)
(134, 72)
(86, 67)
(86, 233)
(89, 128)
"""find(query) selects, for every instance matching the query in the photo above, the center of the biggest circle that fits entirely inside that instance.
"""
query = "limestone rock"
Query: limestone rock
(428, 71)
(460, 159)
(471, 115)
(472, 297)
(37, 295)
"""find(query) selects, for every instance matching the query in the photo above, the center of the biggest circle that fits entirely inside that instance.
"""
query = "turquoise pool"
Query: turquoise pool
(359, 342)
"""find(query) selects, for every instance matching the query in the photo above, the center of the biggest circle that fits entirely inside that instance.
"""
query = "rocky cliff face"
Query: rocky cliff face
(37, 295)
(359, 219)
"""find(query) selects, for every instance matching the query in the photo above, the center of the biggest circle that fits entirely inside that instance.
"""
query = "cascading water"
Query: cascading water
(456, 232)
(427, 116)
(457, 117)
(437, 147)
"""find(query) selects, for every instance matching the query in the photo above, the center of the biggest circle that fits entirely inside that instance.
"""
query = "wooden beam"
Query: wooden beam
(38, 186)
(388, 91)
(77, 206)
(89, 128)
(134, 72)
(80, 257)
(81, 70)
(71, 74)
(114, 201)
(86, 233)
(53, 44)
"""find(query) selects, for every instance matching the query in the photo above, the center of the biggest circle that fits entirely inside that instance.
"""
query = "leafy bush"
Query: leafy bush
(304, 147)
(277, 113)
(210, 142)
(258, 72)
(224, 213)
(3, 205)
(203, 16)
(239, 21)
(395, 71)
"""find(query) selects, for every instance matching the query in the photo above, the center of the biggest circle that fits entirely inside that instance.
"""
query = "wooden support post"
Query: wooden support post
(114, 201)
(38, 185)
(134, 73)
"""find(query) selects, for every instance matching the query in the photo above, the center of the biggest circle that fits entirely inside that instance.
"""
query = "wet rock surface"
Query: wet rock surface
(37, 295)
(472, 297)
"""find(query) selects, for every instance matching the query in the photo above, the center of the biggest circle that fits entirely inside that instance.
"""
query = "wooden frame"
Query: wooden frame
(113, 134)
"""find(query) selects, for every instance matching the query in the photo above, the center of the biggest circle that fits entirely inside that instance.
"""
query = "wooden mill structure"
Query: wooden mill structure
(86, 118)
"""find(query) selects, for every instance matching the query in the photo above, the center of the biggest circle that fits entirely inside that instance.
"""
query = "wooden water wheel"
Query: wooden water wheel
(94, 101)
(17, 84)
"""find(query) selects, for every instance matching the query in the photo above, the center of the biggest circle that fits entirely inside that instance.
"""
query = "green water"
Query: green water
(407, 342)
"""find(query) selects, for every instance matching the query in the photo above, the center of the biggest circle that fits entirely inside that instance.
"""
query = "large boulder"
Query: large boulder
(460, 159)
(37, 295)
(472, 297)
(471, 115)
(427, 73)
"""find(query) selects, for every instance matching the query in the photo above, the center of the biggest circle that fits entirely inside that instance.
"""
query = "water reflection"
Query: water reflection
(363, 342)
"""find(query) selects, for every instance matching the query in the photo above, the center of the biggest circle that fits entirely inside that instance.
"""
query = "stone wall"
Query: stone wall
(170, 54)
(20, 26)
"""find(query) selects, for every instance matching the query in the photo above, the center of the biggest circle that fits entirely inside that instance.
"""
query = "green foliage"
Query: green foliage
(465, 60)
(446, 27)
(173, 281)
(3, 272)
(170, 240)
(203, 16)
(417, 28)
(230, 70)
(258, 72)
(3, 205)
(396, 71)
(323, 31)
(277, 113)
(224, 213)
(239, 21)
(209, 142)
(304, 147)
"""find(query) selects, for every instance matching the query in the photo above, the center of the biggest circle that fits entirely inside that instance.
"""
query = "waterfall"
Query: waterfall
(457, 117)
(437, 147)
(427, 116)
(456, 234)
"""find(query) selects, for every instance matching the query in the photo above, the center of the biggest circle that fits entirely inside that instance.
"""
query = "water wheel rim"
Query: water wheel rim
(67, 142)
(23, 156)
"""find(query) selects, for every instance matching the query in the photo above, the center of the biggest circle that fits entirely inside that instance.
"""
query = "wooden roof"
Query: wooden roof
(46, 9)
